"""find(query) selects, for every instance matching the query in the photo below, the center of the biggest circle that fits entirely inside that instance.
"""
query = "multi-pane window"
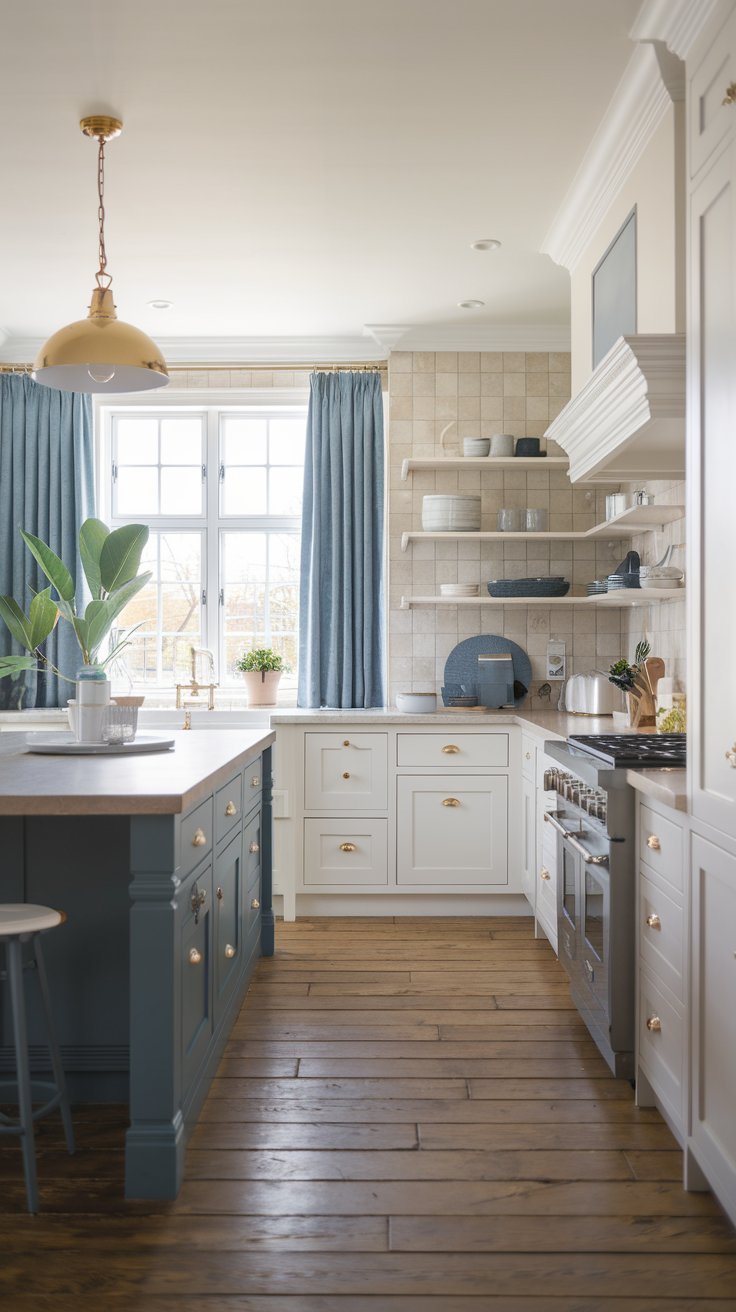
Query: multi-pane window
(221, 490)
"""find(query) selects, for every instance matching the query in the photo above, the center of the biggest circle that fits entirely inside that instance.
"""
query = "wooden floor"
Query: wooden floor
(410, 1117)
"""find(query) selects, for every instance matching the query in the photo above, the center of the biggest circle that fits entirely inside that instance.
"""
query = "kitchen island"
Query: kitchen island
(162, 864)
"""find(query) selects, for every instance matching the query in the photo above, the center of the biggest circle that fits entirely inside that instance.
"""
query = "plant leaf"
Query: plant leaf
(99, 618)
(114, 604)
(54, 568)
(120, 556)
(43, 613)
(92, 537)
(17, 622)
(81, 628)
(14, 664)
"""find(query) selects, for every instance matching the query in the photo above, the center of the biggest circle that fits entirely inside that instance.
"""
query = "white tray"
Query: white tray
(62, 744)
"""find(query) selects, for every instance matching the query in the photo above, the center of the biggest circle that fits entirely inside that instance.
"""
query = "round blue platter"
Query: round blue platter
(461, 665)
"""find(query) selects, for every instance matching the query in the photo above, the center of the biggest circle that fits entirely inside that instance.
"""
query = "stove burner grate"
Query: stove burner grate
(634, 751)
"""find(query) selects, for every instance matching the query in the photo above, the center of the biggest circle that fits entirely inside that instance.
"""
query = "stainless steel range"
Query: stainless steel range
(594, 821)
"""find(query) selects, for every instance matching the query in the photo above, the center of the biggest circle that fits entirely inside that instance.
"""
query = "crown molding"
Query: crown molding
(676, 23)
(628, 421)
(237, 351)
(478, 337)
(639, 104)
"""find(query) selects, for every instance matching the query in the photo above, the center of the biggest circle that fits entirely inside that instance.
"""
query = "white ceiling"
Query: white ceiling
(297, 167)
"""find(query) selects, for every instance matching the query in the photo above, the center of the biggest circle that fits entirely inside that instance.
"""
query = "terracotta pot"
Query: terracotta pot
(262, 686)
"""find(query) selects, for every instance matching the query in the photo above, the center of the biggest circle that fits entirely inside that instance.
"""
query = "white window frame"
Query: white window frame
(211, 524)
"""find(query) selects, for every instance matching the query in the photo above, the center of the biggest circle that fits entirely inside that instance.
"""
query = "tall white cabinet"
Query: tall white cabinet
(711, 1142)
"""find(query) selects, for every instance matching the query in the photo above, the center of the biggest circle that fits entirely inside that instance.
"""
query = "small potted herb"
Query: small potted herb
(262, 669)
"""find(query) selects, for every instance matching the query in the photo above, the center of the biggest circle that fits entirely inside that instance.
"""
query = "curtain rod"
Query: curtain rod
(362, 366)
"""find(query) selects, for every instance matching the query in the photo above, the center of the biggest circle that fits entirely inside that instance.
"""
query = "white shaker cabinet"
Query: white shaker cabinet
(452, 829)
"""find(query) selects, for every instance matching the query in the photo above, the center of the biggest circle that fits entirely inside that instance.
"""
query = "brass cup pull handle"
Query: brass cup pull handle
(255, 781)
(229, 951)
(254, 847)
(654, 921)
(450, 801)
(544, 873)
(450, 749)
(731, 757)
(195, 956)
(348, 847)
(231, 809)
(654, 843)
(654, 1024)
(199, 838)
(255, 904)
(730, 96)
(346, 774)
(219, 894)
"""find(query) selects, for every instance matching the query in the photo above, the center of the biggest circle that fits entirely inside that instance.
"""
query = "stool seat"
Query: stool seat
(25, 918)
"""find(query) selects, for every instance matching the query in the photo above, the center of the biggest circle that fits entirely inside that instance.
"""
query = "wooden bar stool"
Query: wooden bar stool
(20, 923)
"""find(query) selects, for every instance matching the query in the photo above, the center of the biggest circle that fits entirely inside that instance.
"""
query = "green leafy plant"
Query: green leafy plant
(110, 561)
(261, 660)
(672, 719)
(625, 675)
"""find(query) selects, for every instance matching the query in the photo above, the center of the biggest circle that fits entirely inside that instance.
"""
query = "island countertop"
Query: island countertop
(162, 783)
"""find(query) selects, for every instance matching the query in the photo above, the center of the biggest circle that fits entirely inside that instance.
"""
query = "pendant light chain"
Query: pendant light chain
(102, 273)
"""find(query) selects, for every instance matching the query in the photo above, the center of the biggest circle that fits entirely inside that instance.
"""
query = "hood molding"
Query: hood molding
(628, 421)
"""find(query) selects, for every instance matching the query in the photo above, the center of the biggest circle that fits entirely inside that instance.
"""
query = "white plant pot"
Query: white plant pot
(262, 686)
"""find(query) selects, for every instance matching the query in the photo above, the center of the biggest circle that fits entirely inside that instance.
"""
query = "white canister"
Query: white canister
(502, 444)
(616, 502)
(93, 698)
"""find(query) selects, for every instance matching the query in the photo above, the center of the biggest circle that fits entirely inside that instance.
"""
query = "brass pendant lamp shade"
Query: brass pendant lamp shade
(100, 353)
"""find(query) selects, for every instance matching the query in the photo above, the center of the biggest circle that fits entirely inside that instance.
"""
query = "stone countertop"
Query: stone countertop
(541, 724)
(164, 783)
(666, 786)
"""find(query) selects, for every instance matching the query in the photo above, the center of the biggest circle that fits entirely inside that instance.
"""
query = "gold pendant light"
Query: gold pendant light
(99, 353)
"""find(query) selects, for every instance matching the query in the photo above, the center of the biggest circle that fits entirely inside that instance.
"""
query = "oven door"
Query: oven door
(595, 937)
(568, 905)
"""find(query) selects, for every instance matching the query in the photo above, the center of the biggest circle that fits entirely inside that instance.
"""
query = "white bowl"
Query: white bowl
(416, 703)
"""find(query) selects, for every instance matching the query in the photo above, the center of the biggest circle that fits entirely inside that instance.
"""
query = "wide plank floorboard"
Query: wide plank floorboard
(410, 1117)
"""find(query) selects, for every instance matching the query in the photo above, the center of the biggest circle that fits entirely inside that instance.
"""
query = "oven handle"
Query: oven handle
(569, 836)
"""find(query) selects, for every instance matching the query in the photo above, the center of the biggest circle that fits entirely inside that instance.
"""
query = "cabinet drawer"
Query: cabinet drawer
(349, 852)
(528, 756)
(252, 783)
(453, 750)
(252, 846)
(228, 938)
(196, 976)
(661, 935)
(346, 771)
(662, 1049)
(196, 835)
(547, 892)
(228, 806)
(451, 830)
(709, 118)
(661, 843)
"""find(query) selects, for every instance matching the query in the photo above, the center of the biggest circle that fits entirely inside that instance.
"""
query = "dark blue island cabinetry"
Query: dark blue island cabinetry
(163, 866)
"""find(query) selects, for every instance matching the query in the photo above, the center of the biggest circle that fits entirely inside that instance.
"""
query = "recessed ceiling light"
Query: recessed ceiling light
(485, 244)
(471, 305)
(160, 305)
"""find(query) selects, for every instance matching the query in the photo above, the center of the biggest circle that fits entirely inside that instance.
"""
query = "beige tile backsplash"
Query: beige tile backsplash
(486, 393)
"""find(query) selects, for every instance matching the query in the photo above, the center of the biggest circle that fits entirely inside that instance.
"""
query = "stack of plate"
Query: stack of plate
(596, 588)
(451, 513)
(617, 581)
(459, 589)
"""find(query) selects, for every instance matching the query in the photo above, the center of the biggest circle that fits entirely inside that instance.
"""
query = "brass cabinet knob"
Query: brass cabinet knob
(195, 956)
(730, 96)
(255, 904)
(255, 781)
(450, 749)
(199, 838)
(544, 873)
(346, 774)
(254, 847)
(731, 757)
(346, 742)
(528, 756)
(654, 1024)
(450, 801)
(220, 895)
(229, 951)
(231, 809)
(654, 921)
(654, 843)
(348, 847)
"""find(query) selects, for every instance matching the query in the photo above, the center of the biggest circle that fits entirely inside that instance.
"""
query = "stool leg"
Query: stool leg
(56, 1065)
(25, 1104)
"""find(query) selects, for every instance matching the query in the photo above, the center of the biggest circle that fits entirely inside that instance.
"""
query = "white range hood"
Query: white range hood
(628, 422)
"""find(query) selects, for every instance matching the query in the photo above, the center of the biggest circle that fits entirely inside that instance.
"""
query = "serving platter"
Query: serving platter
(63, 744)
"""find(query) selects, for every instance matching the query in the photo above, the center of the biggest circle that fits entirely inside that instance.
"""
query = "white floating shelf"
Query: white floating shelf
(637, 519)
(618, 600)
(482, 462)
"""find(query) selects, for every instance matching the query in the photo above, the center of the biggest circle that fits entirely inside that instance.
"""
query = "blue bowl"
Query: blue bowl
(542, 587)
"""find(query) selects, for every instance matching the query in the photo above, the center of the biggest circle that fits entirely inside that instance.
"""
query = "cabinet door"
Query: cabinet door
(713, 990)
(452, 830)
(252, 840)
(348, 853)
(528, 839)
(227, 935)
(711, 483)
(346, 771)
(196, 974)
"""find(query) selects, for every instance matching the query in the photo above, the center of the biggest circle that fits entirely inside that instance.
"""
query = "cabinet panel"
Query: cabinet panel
(227, 943)
(196, 835)
(346, 852)
(252, 783)
(713, 990)
(528, 839)
(346, 771)
(528, 756)
(452, 829)
(662, 846)
(661, 935)
(708, 118)
(228, 806)
(453, 750)
(196, 974)
(661, 1045)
